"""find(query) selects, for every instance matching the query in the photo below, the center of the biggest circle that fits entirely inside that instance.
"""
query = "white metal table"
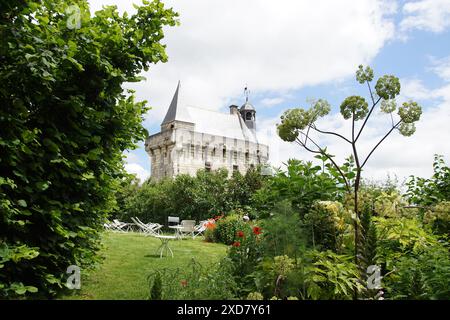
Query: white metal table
(178, 233)
(164, 245)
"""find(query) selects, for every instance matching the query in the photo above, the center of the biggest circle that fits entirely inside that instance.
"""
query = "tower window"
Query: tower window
(224, 153)
(235, 169)
(192, 151)
(248, 116)
(203, 152)
(247, 156)
(235, 156)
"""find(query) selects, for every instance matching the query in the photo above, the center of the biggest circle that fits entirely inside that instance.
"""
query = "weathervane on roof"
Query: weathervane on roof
(246, 92)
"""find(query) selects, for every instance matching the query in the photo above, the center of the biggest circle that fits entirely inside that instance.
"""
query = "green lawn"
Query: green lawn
(130, 257)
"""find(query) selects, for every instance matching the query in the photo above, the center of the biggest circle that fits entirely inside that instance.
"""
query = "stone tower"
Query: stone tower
(193, 138)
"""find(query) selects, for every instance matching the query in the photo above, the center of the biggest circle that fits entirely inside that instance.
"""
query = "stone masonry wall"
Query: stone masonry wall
(179, 149)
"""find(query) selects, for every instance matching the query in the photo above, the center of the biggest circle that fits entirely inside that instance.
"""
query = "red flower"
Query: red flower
(240, 234)
(257, 230)
(236, 244)
(183, 283)
(211, 225)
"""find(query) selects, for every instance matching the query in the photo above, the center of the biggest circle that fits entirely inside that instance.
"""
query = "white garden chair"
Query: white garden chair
(173, 220)
(200, 228)
(150, 225)
(121, 226)
(152, 229)
(112, 226)
(187, 227)
(108, 226)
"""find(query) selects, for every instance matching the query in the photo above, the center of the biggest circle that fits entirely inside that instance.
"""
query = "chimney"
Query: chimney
(234, 109)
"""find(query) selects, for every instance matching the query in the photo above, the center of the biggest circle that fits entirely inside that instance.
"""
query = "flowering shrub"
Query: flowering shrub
(210, 227)
(245, 253)
(227, 228)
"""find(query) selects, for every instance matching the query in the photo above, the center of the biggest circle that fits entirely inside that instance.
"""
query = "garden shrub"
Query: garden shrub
(209, 233)
(329, 276)
(326, 224)
(227, 228)
(273, 276)
(432, 196)
(438, 217)
(200, 197)
(255, 296)
(302, 183)
(197, 282)
(283, 234)
(427, 192)
(156, 287)
(422, 276)
(315, 275)
(402, 236)
(415, 262)
(245, 253)
(385, 201)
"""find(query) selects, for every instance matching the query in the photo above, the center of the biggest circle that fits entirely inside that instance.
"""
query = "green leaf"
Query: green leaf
(42, 185)
(22, 203)
(50, 145)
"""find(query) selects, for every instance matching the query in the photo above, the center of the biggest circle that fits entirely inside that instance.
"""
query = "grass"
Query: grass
(130, 257)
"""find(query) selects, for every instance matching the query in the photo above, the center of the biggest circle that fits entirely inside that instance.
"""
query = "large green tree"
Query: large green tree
(64, 122)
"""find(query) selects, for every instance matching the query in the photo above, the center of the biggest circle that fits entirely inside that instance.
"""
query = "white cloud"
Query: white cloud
(137, 169)
(222, 45)
(428, 15)
(269, 102)
(441, 67)
(135, 165)
(414, 89)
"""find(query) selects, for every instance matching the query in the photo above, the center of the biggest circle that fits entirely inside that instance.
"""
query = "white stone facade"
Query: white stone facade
(193, 138)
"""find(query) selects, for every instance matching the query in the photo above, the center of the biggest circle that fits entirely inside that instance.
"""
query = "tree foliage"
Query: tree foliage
(427, 192)
(432, 196)
(302, 183)
(64, 123)
(200, 197)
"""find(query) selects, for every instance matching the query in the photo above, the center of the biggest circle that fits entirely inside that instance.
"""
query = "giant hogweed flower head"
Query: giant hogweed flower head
(388, 106)
(363, 75)
(388, 87)
(410, 112)
(354, 105)
(407, 129)
(295, 120)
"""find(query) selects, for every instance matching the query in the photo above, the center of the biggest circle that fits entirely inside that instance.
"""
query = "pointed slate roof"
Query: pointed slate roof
(208, 121)
(176, 110)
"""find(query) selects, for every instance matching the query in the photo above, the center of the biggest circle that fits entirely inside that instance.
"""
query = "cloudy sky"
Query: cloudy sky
(289, 52)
